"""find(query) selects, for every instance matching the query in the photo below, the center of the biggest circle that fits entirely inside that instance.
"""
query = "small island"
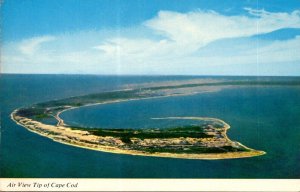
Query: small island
(205, 140)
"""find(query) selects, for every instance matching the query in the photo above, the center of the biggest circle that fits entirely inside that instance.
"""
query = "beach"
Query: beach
(84, 139)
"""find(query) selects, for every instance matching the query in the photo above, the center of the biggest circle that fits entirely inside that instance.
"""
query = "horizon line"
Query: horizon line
(191, 75)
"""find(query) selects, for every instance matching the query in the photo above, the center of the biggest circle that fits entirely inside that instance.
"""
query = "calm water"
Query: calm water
(262, 118)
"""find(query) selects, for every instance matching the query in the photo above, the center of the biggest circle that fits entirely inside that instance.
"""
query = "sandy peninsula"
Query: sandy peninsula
(85, 139)
(206, 140)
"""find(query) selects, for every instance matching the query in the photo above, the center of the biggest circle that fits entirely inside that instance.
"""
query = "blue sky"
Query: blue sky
(190, 37)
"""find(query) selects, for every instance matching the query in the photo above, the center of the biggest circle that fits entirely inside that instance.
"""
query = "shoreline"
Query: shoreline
(61, 121)
(215, 143)
(77, 134)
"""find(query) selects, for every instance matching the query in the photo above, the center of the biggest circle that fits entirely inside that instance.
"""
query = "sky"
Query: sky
(151, 37)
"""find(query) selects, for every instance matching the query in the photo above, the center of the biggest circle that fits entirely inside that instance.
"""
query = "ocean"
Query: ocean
(262, 118)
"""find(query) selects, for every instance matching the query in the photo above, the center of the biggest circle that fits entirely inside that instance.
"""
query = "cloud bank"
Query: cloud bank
(195, 43)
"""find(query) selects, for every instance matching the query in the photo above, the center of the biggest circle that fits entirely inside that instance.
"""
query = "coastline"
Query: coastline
(79, 138)
(61, 121)
(212, 144)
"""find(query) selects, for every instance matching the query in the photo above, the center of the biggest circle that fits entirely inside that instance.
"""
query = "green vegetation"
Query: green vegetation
(124, 134)
(42, 116)
(126, 139)
(30, 112)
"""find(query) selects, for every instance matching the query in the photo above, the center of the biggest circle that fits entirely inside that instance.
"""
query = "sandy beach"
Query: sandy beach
(84, 139)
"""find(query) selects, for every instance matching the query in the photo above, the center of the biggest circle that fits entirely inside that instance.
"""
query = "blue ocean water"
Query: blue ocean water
(263, 118)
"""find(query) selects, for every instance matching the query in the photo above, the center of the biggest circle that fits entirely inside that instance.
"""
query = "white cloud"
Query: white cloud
(30, 46)
(176, 43)
(203, 27)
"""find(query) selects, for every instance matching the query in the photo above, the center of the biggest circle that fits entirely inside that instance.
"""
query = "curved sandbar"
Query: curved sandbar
(208, 140)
